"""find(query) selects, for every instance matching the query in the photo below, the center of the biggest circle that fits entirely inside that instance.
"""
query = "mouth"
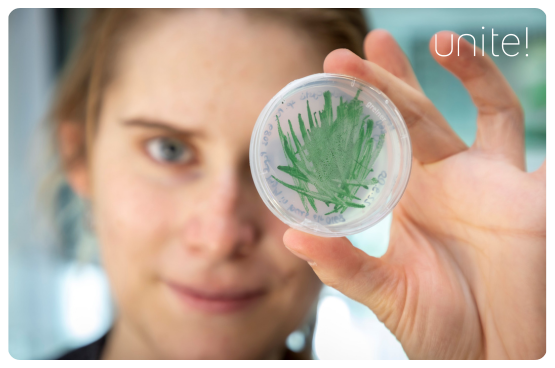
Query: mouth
(217, 301)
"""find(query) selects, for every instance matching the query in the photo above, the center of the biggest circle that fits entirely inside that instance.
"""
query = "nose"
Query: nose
(219, 229)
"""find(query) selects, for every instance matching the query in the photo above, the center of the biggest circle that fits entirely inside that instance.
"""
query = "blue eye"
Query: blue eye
(169, 150)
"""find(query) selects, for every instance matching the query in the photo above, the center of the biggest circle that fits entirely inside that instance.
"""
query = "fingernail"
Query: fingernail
(302, 256)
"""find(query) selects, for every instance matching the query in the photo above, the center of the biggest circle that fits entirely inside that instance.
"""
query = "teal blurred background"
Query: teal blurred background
(57, 302)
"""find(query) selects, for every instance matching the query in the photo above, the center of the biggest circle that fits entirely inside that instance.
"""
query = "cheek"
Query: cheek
(300, 284)
(277, 259)
(132, 220)
(127, 209)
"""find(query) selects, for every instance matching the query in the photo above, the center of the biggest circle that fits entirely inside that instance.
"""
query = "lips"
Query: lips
(217, 301)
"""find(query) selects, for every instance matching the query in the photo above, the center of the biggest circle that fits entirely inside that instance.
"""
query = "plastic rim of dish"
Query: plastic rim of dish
(330, 155)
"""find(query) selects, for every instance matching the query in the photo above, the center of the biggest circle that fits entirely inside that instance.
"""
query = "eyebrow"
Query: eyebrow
(155, 124)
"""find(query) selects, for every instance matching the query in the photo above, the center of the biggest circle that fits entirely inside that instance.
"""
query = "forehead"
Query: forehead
(205, 66)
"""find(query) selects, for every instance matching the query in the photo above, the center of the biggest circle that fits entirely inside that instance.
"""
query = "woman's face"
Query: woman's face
(195, 259)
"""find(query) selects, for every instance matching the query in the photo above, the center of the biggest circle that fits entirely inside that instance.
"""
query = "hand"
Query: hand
(465, 272)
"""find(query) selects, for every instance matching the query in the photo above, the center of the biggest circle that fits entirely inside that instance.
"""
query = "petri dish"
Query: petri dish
(330, 155)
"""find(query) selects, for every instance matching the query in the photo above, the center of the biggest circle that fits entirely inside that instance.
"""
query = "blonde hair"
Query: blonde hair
(80, 89)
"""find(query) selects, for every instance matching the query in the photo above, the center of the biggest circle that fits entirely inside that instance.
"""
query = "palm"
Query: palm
(453, 258)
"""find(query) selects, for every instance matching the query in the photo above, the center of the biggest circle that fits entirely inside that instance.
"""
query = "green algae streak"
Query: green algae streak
(335, 156)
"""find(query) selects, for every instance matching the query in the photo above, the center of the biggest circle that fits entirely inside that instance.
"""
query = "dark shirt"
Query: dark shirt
(92, 351)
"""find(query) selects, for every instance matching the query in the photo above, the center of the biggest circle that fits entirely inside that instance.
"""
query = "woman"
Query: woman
(153, 121)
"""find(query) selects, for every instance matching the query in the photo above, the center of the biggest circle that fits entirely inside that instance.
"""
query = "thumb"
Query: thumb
(339, 264)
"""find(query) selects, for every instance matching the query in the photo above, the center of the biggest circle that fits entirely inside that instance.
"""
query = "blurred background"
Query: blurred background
(57, 301)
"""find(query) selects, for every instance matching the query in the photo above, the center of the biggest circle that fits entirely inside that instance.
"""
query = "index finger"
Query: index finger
(381, 48)
(431, 136)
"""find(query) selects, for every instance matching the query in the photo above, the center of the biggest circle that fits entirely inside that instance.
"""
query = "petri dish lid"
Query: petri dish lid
(330, 155)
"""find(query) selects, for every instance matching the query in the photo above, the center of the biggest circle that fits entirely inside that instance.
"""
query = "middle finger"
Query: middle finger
(431, 136)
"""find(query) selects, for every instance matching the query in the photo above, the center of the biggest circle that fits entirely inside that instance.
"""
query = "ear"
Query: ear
(71, 137)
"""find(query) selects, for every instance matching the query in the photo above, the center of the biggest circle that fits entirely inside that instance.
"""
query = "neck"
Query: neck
(124, 342)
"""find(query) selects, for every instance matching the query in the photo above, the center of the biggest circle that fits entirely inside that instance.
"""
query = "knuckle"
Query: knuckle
(419, 109)
(331, 282)
(426, 105)
(519, 111)
(513, 113)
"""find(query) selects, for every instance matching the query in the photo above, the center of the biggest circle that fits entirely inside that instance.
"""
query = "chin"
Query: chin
(223, 346)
